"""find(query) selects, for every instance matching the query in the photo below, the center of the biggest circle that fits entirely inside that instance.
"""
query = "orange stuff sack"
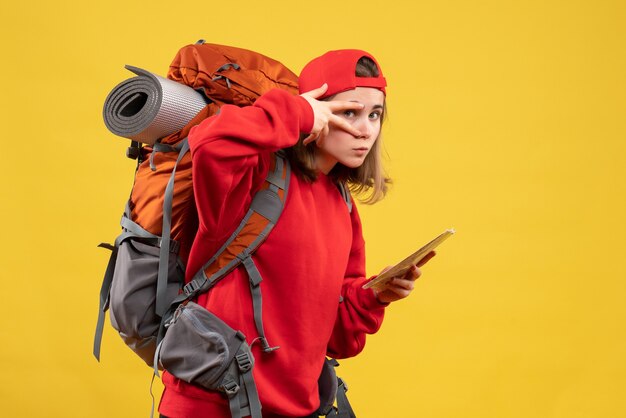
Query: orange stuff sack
(230, 75)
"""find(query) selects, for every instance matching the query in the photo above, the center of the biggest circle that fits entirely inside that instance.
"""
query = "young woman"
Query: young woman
(313, 262)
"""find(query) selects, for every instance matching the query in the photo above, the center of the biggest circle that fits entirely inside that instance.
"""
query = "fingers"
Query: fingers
(400, 287)
(318, 92)
(402, 293)
(323, 134)
(402, 284)
(324, 115)
(338, 105)
(425, 259)
(335, 121)
(344, 124)
(312, 137)
(316, 136)
(413, 274)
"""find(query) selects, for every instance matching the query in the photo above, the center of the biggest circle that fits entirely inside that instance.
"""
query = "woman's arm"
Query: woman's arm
(359, 313)
(231, 155)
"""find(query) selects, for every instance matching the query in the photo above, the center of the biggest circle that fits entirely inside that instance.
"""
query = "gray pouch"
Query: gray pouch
(201, 349)
(133, 295)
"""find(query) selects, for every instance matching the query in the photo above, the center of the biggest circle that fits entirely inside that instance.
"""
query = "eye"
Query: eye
(374, 115)
(349, 113)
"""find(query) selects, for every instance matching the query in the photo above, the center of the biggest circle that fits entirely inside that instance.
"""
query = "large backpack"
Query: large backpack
(160, 219)
(143, 286)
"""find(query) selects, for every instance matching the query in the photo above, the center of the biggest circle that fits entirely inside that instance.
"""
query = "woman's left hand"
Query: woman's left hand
(401, 287)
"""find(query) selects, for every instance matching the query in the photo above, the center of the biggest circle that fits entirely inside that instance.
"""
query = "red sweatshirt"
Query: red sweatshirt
(312, 263)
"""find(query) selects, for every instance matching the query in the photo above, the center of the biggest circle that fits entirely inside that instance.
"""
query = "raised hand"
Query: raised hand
(324, 114)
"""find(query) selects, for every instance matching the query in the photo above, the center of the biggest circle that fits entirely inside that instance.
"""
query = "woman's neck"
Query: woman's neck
(324, 162)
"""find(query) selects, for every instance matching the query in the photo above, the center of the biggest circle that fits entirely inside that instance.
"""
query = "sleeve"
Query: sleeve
(360, 313)
(231, 154)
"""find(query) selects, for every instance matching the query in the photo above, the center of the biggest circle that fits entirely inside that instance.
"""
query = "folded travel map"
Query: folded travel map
(405, 265)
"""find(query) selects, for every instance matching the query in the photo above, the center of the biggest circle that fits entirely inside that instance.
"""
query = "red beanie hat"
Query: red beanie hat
(337, 69)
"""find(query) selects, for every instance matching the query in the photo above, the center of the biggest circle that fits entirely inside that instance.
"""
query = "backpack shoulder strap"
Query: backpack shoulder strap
(345, 193)
(265, 210)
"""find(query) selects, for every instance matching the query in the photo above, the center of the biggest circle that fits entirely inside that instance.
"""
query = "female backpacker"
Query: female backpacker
(313, 264)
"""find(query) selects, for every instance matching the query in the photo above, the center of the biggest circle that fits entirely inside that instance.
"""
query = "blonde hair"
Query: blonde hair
(368, 181)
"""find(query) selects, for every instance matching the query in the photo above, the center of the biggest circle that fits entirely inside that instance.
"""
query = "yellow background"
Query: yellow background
(506, 122)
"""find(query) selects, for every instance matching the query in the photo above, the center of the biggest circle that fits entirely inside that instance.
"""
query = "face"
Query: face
(342, 147)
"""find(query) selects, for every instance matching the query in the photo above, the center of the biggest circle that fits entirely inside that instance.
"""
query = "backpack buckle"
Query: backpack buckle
(133, 153)
(134, 150)
(190, 287)
(231, 387)
(244, 362)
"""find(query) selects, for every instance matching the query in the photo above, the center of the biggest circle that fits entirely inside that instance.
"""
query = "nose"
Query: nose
(366, 128)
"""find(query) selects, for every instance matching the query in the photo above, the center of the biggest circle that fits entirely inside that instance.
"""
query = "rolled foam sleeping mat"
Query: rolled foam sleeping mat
(148, 107)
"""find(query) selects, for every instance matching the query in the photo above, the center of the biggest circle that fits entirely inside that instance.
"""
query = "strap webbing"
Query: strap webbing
(160, 147)
(257, 301)
(344, 409)
(157, 352)
(152, 396)
(276, 177)
(233, 402)
(345, 193)
(249, 396)
(134, 228)
(104, 302)
(164, 254)
(254, 402)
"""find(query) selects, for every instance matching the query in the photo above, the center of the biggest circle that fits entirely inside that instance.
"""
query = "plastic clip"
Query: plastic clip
(231, 388)
(190, 287)
(244, 362)
(132, 152)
